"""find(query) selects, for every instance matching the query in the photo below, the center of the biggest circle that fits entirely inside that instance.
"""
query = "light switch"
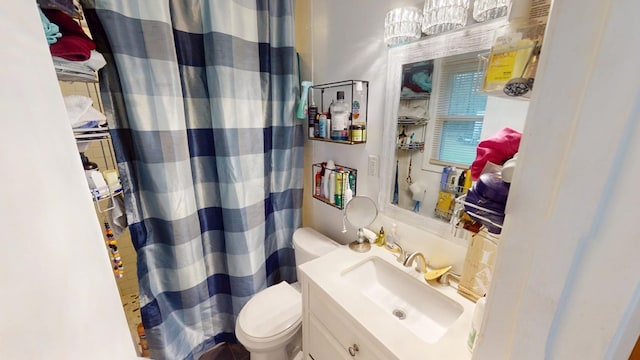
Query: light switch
(372, 168)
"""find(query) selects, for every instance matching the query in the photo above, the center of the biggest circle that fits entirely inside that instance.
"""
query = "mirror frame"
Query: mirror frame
(473, 38)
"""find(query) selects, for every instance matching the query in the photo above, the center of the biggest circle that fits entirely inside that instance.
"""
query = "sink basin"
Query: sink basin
(413, 304)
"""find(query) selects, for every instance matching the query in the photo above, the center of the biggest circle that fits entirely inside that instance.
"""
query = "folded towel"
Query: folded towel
(74, 43)
(80, 111)
(95, 62)
(51, 30)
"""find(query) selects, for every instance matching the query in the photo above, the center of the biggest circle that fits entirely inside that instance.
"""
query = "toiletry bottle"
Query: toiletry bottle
(329, 181)
(311, 118)
(322, 123)
(453, 177)
(340, 118)
(352, 182)
(476, 322)
(444, 178)
(318, 182)
(348, 193)
(332, 186)
(358, 105)
(392, 237)
(329, 122)
(323, 180)
(467, 180)
(461, 179)
(381, 237)
(339, 187)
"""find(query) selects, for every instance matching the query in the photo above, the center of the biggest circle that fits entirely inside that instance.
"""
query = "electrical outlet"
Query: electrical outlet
(372, 168)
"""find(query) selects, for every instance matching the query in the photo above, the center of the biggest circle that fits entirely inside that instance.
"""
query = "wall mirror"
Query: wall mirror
(421, 138)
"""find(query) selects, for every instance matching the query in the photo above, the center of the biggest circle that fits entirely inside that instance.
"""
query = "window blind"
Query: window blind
(459, 113)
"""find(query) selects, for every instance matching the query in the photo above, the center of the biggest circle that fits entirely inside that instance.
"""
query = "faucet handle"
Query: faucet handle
(397, 249)
(448, 276)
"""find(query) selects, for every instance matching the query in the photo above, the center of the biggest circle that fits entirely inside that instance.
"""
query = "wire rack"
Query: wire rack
(462, 206)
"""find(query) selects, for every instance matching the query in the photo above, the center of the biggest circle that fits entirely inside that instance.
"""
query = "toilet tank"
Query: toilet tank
(309, 244)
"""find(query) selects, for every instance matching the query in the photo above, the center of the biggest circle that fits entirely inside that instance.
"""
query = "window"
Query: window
(459, 113)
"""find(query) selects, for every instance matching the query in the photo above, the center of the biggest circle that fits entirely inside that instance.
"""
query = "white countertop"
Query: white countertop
(325, 272)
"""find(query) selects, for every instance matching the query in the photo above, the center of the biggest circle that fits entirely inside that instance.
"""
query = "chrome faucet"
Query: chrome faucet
(422, 262)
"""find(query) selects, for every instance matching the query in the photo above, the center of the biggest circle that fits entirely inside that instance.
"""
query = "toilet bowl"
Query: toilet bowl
(269, 325)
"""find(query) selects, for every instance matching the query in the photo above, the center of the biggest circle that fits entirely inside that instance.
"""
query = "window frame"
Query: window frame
(431, 160)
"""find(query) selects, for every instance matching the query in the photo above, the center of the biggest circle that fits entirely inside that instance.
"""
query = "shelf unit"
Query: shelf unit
(341, 174)
(94, 141)
(320, 94)
(406, 122)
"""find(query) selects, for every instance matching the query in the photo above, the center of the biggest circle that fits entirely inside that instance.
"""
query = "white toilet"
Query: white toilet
(270, 323)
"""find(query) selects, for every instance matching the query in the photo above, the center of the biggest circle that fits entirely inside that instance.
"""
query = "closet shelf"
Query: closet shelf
(409, 120)
(416, 96)
(416, 146)
(76, 77)
(91, 134)
(97, 199)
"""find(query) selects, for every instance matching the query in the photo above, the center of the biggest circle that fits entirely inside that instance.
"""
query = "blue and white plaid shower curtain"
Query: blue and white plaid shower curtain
(200, 97)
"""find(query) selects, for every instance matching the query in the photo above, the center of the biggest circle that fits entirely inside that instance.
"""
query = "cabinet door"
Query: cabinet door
(322, 345)
(341, 331)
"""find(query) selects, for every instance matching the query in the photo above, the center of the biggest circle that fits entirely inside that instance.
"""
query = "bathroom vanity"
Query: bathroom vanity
(369, 306)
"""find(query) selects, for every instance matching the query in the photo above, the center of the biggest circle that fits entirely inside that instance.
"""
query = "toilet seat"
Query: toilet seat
(272, 314)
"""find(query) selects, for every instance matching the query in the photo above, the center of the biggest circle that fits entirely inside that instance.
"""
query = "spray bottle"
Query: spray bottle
(302, 105)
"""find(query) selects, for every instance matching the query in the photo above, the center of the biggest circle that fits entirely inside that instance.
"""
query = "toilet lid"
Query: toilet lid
(271, 311)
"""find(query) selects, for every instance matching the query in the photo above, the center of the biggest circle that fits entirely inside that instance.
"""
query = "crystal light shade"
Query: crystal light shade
(444, 15)
(402, 25)
(484, 10)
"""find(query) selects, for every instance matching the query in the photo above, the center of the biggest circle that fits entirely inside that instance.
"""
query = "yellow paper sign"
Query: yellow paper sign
(500, 67)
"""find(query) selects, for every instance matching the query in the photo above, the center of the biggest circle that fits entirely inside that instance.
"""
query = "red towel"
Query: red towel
(497, 149)
(74, 44)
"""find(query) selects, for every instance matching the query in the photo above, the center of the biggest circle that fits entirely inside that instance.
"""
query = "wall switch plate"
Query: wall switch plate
(372, 166)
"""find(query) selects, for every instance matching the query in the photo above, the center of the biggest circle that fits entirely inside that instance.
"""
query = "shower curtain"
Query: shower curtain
(200, 99)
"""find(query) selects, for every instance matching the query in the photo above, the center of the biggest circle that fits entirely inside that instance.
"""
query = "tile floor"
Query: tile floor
(226, 351)
(132, 312)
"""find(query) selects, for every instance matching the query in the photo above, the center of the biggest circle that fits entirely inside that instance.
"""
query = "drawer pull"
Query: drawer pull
(353, 350)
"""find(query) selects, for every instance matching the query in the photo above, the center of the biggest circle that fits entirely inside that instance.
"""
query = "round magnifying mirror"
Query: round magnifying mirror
(361, 211)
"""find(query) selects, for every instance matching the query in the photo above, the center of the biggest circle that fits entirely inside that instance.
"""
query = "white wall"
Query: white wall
(347, 43)
(343, 49)
(59, 295)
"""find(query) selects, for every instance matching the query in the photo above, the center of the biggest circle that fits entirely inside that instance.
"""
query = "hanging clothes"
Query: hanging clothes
(201, 111)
